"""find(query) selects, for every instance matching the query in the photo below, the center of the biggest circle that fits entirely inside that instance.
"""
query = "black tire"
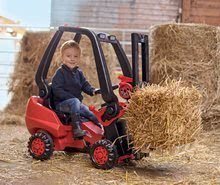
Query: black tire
(103, 155)
(40, 146)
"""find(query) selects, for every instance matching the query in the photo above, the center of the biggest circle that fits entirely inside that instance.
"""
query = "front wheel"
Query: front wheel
(40, 145)
(103, 154)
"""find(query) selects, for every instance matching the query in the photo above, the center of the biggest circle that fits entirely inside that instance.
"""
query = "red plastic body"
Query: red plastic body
(39, 117)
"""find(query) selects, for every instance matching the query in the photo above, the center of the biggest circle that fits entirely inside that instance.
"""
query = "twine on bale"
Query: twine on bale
(33, 44)
(189, 52)
(161, 117)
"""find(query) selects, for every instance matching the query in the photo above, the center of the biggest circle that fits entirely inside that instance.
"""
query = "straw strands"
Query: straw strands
(11, 119)
(189, 52)
(161, 117)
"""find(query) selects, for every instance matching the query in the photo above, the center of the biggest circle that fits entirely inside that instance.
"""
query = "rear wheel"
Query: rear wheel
(103, 155)
(40, 145)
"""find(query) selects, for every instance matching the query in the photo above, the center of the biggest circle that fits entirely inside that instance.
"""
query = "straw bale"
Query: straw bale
(11, 119)
(33, 44)
(189, 52)
(161, 117)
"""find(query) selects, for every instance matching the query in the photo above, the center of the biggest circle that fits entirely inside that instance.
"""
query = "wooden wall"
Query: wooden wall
(133, 14)
(125, 14)
(201, 11)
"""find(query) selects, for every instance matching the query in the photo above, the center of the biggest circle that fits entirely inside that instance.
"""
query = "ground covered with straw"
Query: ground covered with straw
(197, 163)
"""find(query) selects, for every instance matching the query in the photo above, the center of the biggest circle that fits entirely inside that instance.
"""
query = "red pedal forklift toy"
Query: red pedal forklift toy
(50, 129)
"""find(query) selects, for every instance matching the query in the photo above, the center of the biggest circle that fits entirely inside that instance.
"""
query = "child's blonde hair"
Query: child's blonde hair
(69, 44)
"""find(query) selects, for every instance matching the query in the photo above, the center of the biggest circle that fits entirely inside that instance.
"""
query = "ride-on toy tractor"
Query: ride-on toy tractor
(50, 129)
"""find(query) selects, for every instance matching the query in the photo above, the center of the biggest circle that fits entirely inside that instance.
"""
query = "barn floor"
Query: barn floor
(198, 164)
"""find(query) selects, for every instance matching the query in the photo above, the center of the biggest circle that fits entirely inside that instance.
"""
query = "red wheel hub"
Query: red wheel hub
(38, 146)
(101, 155)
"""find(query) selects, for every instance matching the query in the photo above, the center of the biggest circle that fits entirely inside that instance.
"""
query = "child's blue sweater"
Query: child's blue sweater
(67, 83)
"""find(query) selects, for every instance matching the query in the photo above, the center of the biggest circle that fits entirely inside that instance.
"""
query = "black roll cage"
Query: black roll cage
(106, 88)
(102, 70)
(137, 38)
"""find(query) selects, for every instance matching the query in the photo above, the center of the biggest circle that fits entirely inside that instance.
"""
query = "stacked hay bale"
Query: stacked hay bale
(22, 84)
(161, 117)
(189, 52)
(33, 44)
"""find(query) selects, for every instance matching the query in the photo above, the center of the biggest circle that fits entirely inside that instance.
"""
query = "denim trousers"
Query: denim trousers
(74, 106)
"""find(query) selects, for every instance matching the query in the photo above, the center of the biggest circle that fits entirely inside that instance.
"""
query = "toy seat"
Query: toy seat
(48, 102)
(63, 116)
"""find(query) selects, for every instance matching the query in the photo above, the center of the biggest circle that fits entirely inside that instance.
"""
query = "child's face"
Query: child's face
(71, 57)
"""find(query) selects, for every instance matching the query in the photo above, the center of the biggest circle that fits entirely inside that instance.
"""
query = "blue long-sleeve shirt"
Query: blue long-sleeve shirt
(67, 83)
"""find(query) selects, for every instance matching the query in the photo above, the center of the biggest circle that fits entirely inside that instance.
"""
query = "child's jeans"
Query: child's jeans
(74, 106)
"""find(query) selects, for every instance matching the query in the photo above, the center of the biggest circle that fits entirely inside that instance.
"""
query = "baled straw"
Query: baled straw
(11, 119)
(161, 117)
(189, 52)
(33, 44)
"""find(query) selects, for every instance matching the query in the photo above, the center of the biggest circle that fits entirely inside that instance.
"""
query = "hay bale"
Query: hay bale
(33, 44)
(7, 118)
(21, 83)
(189, 52)
(161, 117)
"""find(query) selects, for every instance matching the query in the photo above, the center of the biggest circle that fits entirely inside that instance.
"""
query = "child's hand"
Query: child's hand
(96, 91)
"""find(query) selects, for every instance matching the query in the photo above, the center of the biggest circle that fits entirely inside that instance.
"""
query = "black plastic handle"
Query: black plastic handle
(98, 91)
